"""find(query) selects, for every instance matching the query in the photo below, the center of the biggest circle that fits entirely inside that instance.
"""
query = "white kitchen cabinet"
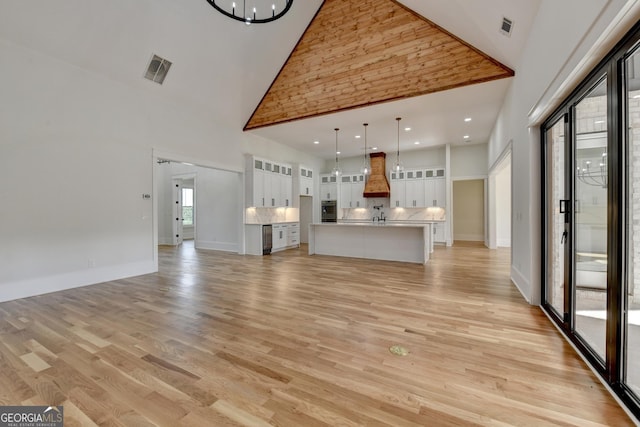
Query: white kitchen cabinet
(279, 236)
(435, 193)
(398, 189)
(352, 191)
(434, 173)
(285, 195)
(439, 232)
(440, 192)
(257, 183)
(293, 235)
(306, 181)
(267, 183)
(345, 191)
(328, 187)
(414, 187)
(357, 191)
(285, 236)
(275, 197)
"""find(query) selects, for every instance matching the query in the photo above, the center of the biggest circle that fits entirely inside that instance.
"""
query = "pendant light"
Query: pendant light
(366, 169)
(336, 169)
(397, 166)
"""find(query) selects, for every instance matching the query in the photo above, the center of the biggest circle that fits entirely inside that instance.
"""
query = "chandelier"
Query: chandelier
(252, 11)
(595, 176)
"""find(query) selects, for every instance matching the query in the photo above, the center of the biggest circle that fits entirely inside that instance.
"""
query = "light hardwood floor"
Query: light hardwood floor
(218, 339)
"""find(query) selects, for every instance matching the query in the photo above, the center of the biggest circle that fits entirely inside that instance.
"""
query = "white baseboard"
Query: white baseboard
(217, 246)
(521, 283)
(469, 237)
(60, 282)
(165, 241)
(504, 243)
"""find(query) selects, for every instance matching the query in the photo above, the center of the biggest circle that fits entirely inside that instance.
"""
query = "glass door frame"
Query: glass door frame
(562, 319)
(613, 68)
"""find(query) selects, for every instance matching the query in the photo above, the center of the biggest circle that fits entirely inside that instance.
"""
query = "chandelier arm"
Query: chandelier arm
(244, 19)
(593, 179)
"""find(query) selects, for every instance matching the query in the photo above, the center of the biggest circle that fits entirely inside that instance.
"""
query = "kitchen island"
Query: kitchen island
(381, 241)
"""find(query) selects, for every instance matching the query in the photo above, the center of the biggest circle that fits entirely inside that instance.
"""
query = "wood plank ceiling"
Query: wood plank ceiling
(358, 53)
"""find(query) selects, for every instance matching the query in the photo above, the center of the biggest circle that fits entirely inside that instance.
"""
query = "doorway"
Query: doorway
(499, 202)
(306, 217)
(188, 208)
(206, 202)
(183, 210)
(468, 210)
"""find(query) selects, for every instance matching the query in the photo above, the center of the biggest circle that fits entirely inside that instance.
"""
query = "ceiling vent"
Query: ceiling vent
(506, 27)
(158, 69)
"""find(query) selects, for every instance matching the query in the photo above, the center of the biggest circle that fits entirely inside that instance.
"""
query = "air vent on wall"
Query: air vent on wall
(506, 27)
(158, 69)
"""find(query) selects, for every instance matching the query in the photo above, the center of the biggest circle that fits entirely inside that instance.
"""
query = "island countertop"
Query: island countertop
(377, 224)
(382, 241)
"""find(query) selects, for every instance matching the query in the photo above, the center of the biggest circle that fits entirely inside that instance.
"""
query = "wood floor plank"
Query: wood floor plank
(291, 340)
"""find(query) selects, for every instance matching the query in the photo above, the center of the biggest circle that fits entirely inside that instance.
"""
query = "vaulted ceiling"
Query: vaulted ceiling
(356, 54)
(435, 118)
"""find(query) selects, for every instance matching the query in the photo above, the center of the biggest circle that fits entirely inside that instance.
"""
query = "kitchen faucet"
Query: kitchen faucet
(380, 216)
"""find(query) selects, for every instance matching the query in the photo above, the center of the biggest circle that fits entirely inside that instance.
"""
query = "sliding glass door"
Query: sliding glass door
(557, 211)
(632, 229)
(576, 209)
(591, 218)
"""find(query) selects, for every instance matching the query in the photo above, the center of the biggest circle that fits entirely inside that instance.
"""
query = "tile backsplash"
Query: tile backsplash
(271, 215)
(395, 214)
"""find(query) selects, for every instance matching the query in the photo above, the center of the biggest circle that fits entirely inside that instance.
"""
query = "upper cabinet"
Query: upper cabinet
(305, 181)
(398, 189)
(268, 183)
(352, 191)
(418, 188)
(328, 187)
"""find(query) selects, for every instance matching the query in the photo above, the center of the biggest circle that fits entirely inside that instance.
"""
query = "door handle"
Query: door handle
(564, 206)
(563, 239)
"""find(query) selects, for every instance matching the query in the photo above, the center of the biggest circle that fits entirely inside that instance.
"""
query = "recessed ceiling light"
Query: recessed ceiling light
(417, 143)
(407, 129)
(357, 136)
(468, 119)
(466, 137)
(337, 152)
(374, 148)
(316, 142)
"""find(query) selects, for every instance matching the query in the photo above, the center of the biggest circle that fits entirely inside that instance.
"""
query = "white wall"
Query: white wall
(468, 161)
(556, 45)
(81, 147)
(218, 210)
(426, 157)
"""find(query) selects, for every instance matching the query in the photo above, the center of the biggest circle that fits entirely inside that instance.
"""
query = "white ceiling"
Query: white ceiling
(224, 67)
